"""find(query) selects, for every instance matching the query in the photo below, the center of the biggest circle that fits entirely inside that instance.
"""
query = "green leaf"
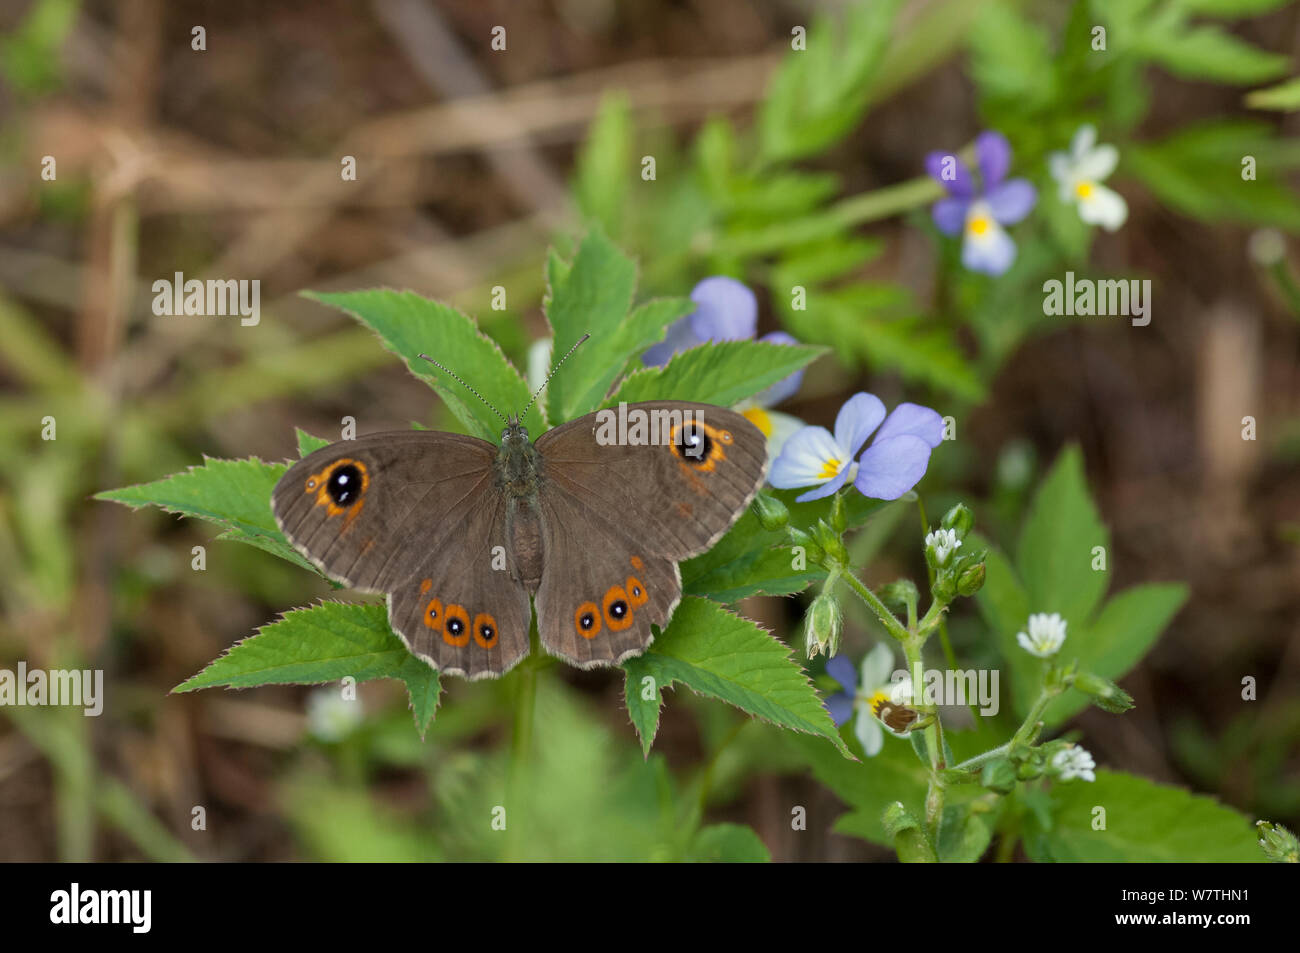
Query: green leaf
(642, 695)
(716, 653)
(1209, 53)
(307, 443)
(1055, 555)
(868, 786)
(605, 165)
(591, 295)
(728, 844)
(1112, 644)
(1004, 604)
(723, 373)
(408, 324)
(1283, 96)
(818, 94)
(1145, 822)
(325, 643)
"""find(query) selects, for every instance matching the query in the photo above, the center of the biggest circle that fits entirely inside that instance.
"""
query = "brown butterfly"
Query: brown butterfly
(460, 532)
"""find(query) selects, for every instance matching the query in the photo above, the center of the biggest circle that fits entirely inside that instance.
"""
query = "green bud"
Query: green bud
(905, 831)
(830, 542)
(999, 775)
(971, 580)
(772, 513)
(799, 538)
(823, 625)
(960, 519)
(839, 514)
(944, 590)
(1105, 693)
(899, 595)
(1029, 770)
(1279, 844)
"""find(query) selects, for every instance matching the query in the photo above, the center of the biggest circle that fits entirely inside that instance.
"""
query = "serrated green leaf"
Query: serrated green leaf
(1055, 555)
(591, 295)
(727, 844)
(1113, 643)
(276, 547)
(1145, 822)
(325, 643)
(722, 373)
(717, 653)
(235, 494)
(1209, 53)
(408, 324)
(643, 697)
(307, 443)
(818, 94)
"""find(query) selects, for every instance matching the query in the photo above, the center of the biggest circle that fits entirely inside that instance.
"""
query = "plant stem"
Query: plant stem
(887, 618)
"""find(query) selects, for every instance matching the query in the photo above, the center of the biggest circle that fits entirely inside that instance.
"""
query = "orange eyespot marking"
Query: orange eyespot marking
(433, 614)
(485, 630)
(636, 594)
(698, 445)
(586, 619)
(616, 609)
(455, 630)
(425, 585)
(637, 563)
(340, 487)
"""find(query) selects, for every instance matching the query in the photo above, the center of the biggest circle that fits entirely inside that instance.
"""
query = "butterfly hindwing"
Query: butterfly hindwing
(614, 511)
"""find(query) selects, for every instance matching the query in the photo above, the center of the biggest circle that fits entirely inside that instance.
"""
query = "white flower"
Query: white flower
(876, 687)
(944, 542)
(1046, 633)
(1079, 174)
(1074, 762)
(330, 716)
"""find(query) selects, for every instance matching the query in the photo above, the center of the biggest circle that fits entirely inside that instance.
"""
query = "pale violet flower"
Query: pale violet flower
(726, 310)
(1079, 174)
(892, 465)
(981, 212)
(1046, 633)
(944, 542)
(1074, 762)
(865, 702)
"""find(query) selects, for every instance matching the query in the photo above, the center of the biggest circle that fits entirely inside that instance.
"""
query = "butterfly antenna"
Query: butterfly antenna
(557, 366)
(467, 387)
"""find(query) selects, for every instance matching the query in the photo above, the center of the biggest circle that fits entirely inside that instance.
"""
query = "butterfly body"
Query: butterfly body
(460, 533)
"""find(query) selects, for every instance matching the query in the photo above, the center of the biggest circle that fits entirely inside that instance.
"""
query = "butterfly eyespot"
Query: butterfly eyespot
(618, 614)
(725, 436)
(433, 614)
(636, 593)
(455, 629)
(312, 484)
(586, 620)
(345, 485)
(485, 630)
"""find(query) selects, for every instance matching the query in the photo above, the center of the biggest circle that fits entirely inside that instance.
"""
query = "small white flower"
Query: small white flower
(1079, 174)
(330, 716)
(1074, 762)
(944, 542)
(1046, 633)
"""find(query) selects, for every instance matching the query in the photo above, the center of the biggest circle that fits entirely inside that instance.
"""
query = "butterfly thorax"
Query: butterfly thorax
(518, 470)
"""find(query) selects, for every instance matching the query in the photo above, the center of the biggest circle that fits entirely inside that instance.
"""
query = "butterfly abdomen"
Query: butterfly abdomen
(524, 531)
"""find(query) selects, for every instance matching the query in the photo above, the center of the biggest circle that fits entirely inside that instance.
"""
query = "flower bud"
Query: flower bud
(899, 595)
(799, 538)
(822, 626)
(1279, 844)
(971, 580)
(999, 775)
(943, 589)
(959, 519)
(1105, 693)
(830, 542)
(772, 513)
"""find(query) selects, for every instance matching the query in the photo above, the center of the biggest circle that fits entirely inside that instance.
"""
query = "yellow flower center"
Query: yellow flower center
(978, 225)
(831, 468)
(1083, 189)
(760, 418)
